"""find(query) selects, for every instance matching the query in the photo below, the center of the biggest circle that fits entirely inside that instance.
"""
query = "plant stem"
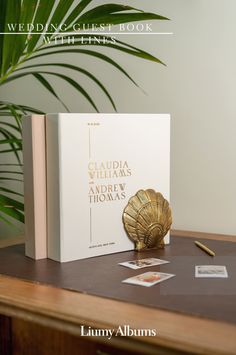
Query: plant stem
(14, 67)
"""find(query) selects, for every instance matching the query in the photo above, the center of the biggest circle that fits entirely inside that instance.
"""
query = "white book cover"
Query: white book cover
(34, 159)
(95, 163)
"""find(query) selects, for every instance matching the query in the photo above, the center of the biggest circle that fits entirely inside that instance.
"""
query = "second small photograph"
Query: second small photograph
(142, 263)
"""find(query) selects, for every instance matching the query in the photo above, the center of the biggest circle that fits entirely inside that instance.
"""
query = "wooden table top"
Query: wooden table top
(69, 310)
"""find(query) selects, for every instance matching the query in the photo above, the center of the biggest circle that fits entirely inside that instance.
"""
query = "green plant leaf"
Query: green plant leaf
(86, 52)
(12, 212)
(7, 201)
(16, 111)
(11, 172)
(17, 50)
(9, 178)
(42, 15)
(3, 7)
(27, 11)
(11, 165)
(76, 12)
(60, 12)
(5, 220)
(15, 114)
(49, 87)
(9, 134)
(77, 86)
(12, 16)
(114, 14)
(72, 82)
(10, 125)
(31, 109)
(7, 141)
(107, 9)
(5, 114)
(78, 69)
(119, 45)
(11, 140)
(9, 191)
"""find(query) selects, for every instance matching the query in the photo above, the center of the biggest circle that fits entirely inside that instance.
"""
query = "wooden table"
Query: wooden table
(38, 319)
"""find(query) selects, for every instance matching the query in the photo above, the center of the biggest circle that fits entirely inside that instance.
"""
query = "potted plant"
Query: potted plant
(30, 30)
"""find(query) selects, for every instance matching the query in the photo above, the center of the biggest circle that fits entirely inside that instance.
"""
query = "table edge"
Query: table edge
(67, 310)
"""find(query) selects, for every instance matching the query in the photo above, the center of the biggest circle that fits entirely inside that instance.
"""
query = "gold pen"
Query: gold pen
(203, 247)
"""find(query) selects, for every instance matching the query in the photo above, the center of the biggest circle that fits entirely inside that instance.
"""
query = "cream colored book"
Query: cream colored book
(95, 163)
(34, 156)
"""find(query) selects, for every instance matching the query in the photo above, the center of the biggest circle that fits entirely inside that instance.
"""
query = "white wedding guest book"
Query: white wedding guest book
(95, 163)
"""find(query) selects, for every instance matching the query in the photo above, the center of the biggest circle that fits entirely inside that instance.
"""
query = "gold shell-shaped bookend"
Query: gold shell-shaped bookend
(147, 219)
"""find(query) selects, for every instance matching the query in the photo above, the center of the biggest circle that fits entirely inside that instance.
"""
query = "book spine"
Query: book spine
(34, 158)
(53, 187)
(167, 237)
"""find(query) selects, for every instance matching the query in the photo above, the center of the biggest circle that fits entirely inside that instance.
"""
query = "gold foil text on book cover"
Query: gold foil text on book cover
(107, 170)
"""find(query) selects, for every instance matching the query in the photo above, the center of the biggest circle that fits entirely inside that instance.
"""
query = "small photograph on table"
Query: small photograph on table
(141, 263)
(211, 271)
(148, 278)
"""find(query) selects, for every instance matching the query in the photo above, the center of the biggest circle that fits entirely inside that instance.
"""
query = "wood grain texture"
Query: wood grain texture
(29, 335)
(67, 311)
(32, 313)
(5, 335)
(31, 338)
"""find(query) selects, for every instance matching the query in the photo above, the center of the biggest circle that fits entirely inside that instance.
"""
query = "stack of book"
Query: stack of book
(80, 171)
